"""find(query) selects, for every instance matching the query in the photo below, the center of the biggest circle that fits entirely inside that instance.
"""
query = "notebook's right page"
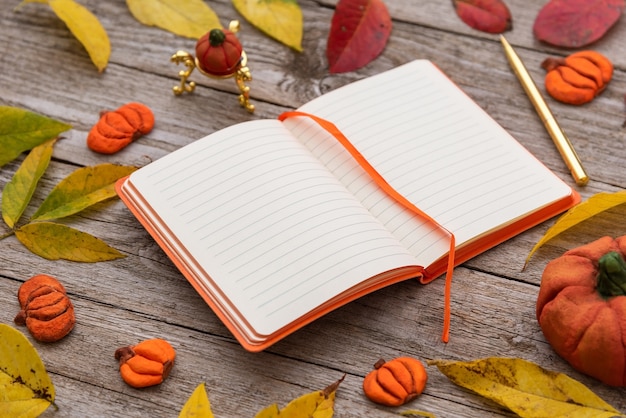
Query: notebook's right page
(439, 149)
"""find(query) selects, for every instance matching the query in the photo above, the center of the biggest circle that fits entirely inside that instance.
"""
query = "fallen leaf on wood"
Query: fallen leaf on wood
(491, 16)
(318, 404)
(198, 405)
(25, 387)
(19, 190)
(596, 204)
(576, 23)
(22, 130)
(279, 19)
(526, 388)
(54, 241)
(82, 188)
(85, 27)
(189, 18)
(359, 32)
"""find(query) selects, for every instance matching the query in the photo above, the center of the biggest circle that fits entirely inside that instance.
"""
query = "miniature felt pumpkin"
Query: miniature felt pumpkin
(395, 382)
(147, 363)
(218, 52)
(581, 308)
(577, 78)
(46, 310)
(118, 128)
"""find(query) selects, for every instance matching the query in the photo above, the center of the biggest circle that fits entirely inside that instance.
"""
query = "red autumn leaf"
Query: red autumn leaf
(576, 23)
(358, 33)
(492, 16)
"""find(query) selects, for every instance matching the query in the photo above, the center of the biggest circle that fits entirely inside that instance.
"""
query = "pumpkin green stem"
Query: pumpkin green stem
(216, 37)
(611, 275)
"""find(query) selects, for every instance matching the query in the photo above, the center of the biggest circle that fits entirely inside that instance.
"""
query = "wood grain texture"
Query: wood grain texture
(45, 70)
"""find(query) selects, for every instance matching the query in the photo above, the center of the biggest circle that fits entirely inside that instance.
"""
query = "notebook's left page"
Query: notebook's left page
(272, 232)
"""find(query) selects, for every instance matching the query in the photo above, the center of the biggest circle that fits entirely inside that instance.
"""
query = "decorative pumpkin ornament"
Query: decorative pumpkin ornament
(147, 363)
(219, 54)
(395, 382)
(581, 308)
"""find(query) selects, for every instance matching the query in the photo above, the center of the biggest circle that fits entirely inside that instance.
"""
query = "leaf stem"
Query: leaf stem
(8, 234)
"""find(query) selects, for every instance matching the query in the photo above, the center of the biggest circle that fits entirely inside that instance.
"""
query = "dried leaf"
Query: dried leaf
(18, 192)
(416, 413)
(198, 405)
(279, 19)
(358, 33)
(491, 16)
(84, 187)
(85, 27)
(25, 387)
(55, 241)
(525, 388)
(576, 23)
(596, 204)
(189, 18)
(318, 404)
(21, 130)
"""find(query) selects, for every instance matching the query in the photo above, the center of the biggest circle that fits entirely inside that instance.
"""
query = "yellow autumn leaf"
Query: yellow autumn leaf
(279, 19)
(596, 204)
(21, 130)
(25, 387)
(189, 18)
(85, 27)
(318, 404)
(18, 192)
(198, 405)
(84, 187)
(525, 388)
(56, 241)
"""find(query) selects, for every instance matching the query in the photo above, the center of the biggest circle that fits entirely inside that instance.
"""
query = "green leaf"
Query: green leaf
(86, 28)
(83, 188)
(21, 130)
(525, 388)
(18, 192)
(56, 241)
(279, 19)
(189, 18)
(198, 405)
(596, 204)
(25, 387)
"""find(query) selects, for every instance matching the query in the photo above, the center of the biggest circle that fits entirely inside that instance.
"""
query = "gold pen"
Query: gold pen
(561, 141)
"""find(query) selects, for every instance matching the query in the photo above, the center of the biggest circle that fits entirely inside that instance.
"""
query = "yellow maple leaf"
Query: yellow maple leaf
(318, 404)
(526, 388)
(189, 18)
(198, 405)
(596, 204)
(280, 19)
(25, 387)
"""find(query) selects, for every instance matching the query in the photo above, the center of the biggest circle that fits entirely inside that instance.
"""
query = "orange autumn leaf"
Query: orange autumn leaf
(596, 204)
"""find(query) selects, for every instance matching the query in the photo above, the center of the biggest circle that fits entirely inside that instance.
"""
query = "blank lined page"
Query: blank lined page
(276, 232)
(436, 147)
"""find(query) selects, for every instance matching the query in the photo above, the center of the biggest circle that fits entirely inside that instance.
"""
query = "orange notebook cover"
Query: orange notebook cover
(397, 176)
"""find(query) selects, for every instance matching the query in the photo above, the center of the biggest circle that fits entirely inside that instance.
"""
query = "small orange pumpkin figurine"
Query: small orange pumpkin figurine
(395, 382)
(46, 310)
(577, 78)
(219, 52)
(118, 128)
(147, 363)
(581, 308)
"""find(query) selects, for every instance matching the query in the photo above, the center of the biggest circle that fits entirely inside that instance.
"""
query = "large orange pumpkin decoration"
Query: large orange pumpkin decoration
(581, 308)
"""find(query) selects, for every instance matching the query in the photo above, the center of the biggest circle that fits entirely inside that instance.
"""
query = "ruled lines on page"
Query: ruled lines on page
(436, 147)
(268, 222)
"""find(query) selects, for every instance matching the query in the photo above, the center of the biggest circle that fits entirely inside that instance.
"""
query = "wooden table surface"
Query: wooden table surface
(43, 68)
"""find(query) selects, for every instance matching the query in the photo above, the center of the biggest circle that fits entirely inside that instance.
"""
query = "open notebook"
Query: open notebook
(275, 223)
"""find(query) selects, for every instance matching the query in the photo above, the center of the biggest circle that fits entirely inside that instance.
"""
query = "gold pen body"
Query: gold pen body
(561, 141)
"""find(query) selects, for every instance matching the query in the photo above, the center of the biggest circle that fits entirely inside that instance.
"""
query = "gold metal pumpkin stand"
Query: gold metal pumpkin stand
(241, 74)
